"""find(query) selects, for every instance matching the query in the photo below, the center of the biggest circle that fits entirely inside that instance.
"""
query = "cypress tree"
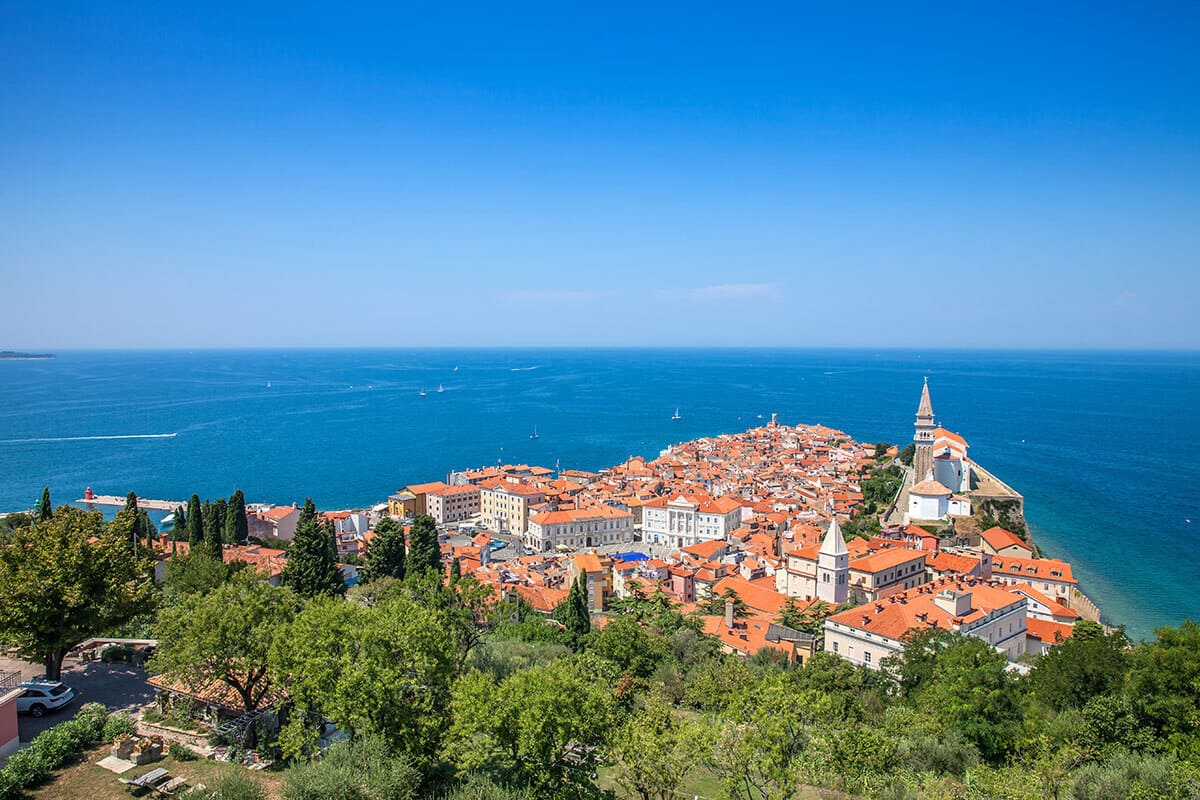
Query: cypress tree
(212, 532)
(220, 510)
(145, 529)
(311, 570)
(423, 551)
(142, 529)
(385, 558)
(45, 510)
(236, 529)
(180, 523)
(195, 521)
(573, 613)
(455, 570)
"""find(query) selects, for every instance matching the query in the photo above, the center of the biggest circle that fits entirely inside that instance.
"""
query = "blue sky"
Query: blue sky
(1014, 175)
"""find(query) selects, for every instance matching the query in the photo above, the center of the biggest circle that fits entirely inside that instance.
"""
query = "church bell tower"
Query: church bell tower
(923, 437)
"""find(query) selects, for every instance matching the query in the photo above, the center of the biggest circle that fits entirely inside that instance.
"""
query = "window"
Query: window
(835, 647)
(867, 657)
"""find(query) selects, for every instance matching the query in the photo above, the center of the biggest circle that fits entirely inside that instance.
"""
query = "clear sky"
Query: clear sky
(952, 174)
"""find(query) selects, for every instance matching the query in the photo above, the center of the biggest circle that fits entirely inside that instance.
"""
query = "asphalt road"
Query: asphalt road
(120, 687)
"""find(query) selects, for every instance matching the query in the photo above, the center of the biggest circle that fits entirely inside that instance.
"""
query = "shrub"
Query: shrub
(180, 753)
(51, 749)
(354, 770)
(117, 652)
(118, 724)
(235, 785)
(478, 787)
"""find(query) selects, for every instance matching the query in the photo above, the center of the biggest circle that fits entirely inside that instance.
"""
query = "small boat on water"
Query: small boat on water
(440, 389)
(456, 369)
(268, 384)
(422, 391)
(676, 414)
(534, 435)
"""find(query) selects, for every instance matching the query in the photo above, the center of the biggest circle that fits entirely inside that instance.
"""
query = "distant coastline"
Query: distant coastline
(12, 355)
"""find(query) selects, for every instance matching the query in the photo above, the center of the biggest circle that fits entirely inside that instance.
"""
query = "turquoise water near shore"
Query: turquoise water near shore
(1103, 445)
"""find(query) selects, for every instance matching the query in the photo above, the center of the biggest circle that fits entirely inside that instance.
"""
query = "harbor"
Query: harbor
(90, 499)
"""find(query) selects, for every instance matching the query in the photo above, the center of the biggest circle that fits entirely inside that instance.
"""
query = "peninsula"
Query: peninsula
(865, 541)
(13, 355)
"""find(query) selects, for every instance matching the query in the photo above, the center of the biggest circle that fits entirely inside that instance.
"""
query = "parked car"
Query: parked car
(43, 695)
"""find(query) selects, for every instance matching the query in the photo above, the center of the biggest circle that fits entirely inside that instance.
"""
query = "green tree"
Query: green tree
(237, 530)
(965, 683)
(543, 728)
(763, 736)
(384, 669)
(906, 455)
(221, 514)
(1086, 664)
(311, 570)
(455, 570)
(179, 524)
(195, 521)
(194, 574)
(655, 750)
(716, 603)
(791, 615)
(57, 588)
(1162, 683)
(386, 555)
(626, 642)
(225, 636)
(423, 551)
(573, 612)
(213, 543)
(44, 509)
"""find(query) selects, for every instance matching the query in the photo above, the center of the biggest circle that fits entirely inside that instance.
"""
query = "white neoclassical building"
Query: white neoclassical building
(683, 521)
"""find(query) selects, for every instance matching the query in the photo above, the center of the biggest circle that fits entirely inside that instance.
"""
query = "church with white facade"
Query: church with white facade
(941, 469)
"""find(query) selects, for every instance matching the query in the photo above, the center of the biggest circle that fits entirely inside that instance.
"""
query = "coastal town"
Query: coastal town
(749, 532)
(277, 639)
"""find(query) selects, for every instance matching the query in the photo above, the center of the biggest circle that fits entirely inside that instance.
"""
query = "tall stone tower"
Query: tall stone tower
(833, 567)
(923, 437)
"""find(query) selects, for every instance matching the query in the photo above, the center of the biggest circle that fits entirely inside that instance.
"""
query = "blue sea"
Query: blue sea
(1104, 446)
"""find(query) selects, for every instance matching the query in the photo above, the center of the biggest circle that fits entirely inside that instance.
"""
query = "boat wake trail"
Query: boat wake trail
(90, 438)
(522, 369)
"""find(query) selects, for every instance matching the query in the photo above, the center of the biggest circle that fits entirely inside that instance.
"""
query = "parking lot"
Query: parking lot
(121, 687)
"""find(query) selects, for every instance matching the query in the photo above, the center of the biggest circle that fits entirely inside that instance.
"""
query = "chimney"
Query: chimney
(952, 602)
(728, 613)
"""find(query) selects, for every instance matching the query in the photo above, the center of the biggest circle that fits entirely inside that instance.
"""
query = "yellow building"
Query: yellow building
(596, 568)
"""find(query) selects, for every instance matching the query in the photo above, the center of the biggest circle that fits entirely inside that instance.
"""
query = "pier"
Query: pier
(114, 500)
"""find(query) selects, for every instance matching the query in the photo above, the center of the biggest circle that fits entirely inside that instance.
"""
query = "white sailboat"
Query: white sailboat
(676, 414)
(534, 435)
(440, 389)
(422, 391)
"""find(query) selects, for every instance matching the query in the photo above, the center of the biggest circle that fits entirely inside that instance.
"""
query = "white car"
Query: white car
(43, 695)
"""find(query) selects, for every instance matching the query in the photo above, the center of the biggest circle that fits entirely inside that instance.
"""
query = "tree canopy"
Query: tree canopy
(225, 635)
(386, 555)
(70, 579)
(311, 570)
(423, 550)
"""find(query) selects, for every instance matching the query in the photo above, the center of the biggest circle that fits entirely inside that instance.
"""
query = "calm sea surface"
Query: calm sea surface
(1104, 446)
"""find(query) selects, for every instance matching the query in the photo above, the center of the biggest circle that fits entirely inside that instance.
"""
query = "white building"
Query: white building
(579, 528)
(683, 521)
(870, 633)
(452, 503)
(932, 500)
